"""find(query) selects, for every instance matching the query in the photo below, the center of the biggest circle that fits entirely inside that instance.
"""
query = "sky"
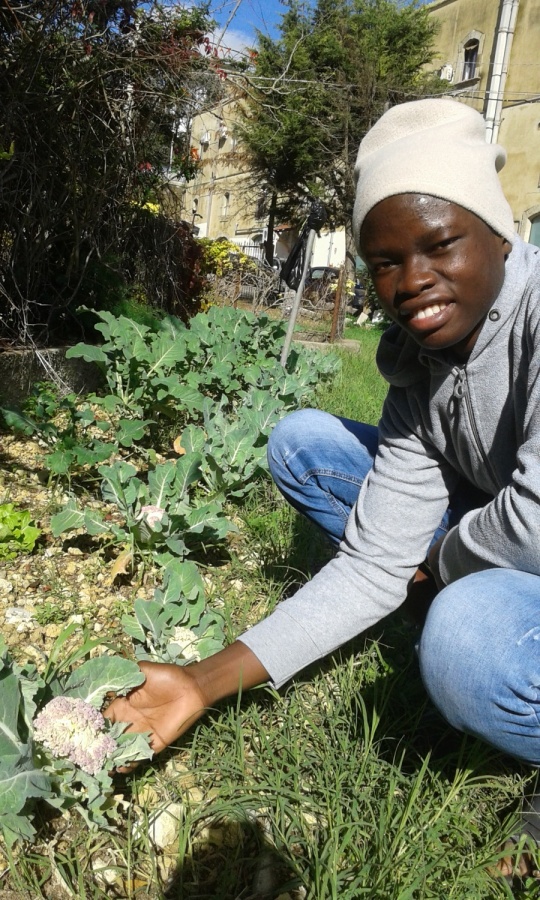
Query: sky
(250, 16)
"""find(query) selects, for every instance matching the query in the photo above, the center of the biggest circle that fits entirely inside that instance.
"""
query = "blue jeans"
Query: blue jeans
(480, 646)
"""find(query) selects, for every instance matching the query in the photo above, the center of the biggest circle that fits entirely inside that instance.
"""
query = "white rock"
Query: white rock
(164, 826)
(223, 833)
(16, 615)
(105, 875)
(6, 587)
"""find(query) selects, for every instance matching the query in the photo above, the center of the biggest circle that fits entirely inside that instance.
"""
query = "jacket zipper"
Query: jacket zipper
(461, 392)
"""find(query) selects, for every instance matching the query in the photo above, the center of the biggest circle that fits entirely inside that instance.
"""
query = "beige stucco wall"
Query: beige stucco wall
(520, 125)
(524, 72)
(520, 135)
(459, 21)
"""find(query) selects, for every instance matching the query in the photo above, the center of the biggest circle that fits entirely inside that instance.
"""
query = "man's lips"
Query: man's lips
(427, 316)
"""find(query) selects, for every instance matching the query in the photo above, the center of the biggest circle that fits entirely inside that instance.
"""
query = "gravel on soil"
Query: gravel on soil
(65, 580)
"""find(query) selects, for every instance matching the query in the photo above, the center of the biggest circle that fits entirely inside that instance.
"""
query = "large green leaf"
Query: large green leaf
(131, 747)
(18, 422)
(93, 523)
(88, 352)
(10, 704)
(148, 612)
(120, 485)
(70, 518)
(165, 353)
(16, 828)
(160, 481)
(181, 580)
(20, 780)
(97, 453)
(60, 461)
(133, 628)
(188, 470)
(102, 675)
(130, 430)
(193, 439)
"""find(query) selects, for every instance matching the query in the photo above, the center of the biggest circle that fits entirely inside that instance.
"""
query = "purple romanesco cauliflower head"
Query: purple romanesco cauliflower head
(71, 728)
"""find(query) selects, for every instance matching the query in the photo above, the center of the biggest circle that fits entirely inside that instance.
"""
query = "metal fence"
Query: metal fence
(322, 310)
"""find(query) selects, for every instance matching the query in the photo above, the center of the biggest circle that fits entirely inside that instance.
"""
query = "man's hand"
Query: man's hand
(166, 704)
(172, 697)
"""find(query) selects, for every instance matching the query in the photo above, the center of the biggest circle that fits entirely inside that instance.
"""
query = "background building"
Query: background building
(488, 52)
(223, 200)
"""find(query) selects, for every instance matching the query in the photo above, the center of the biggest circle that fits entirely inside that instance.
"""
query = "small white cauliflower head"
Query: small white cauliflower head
(71, 728)
(152, 515)
(147, 519)
(187, 640)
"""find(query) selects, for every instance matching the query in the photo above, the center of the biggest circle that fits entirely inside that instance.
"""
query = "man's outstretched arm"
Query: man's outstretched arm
(173, 697)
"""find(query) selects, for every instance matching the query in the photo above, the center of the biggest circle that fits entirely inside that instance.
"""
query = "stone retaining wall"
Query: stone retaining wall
(20, 369)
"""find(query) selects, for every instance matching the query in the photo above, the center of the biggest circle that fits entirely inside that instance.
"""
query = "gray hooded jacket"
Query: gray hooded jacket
(441, 421)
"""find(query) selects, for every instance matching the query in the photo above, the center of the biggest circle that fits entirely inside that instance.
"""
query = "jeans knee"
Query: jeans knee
(480, 658)
(295, 430)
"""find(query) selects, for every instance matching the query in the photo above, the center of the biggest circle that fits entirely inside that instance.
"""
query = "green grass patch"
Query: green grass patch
(359, 390)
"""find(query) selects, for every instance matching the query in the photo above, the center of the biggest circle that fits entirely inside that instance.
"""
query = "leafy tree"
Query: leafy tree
(91, 92)
(312, 94)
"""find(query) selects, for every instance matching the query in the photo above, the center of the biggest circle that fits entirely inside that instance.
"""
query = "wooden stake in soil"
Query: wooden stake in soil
(297, 299)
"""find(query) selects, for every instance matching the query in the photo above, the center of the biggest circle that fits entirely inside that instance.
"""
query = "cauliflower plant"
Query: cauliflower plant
(151, 515)
(71, 728)
(150, 522)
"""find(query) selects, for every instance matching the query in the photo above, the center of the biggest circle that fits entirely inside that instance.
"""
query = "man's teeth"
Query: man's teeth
(429, 311)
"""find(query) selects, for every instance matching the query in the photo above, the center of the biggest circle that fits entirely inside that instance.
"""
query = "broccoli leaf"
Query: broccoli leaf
(102, 675)
(19, 780)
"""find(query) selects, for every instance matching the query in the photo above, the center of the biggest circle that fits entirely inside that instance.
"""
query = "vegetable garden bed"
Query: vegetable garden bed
(345, 785)
(131, 499)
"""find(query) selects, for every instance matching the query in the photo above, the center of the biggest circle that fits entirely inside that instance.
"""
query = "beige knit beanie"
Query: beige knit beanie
(435, 147)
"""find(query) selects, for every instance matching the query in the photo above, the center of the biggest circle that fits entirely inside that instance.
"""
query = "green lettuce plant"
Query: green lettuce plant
(18, 534)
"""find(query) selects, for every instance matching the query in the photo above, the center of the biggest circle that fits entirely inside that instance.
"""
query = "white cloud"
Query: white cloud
(234, 42)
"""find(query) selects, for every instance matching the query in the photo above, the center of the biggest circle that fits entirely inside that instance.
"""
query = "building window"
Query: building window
(534, 236)
(225, 205)
(260, 207)
(221, 134)
(470, 59)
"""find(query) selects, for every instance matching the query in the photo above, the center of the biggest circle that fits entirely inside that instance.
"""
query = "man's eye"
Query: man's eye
(381, 265)
(443, 245)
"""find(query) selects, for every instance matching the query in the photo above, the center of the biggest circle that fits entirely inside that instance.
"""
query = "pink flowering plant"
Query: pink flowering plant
(56, 746)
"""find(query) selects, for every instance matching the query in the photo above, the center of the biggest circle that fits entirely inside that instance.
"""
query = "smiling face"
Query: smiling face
(436, 267)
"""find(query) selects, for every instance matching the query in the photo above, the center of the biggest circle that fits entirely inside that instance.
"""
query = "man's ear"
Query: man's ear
(507, 247)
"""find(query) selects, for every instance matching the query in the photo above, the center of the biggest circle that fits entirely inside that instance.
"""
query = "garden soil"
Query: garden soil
(65, 581)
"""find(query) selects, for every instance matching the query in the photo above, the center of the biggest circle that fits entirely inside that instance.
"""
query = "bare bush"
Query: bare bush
(91, 94)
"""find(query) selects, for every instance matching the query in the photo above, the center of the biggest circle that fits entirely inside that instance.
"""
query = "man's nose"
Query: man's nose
(415, 276)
